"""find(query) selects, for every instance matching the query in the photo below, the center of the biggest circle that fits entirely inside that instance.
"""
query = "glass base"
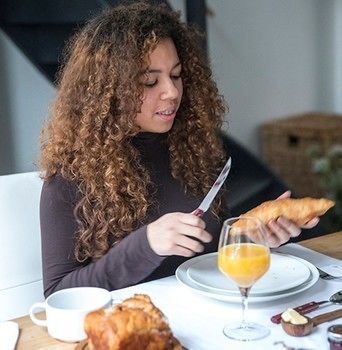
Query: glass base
(245, 332)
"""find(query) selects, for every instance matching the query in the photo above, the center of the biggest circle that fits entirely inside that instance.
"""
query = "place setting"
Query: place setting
(287, 275)
(244, 270)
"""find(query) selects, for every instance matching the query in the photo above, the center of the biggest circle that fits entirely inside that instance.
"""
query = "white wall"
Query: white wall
(338, 55)
(271, 58)
(326, 54)
(267, 59)
(274, 58)
(25, 95)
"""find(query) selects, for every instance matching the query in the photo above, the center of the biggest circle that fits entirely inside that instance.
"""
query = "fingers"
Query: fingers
(191, 219)
(190, 244)
(177, 234)
(184, 246)
(289, 227)
(193, 226)
(312, 223)
(280, 231)
(195, 232)
(286, 194)
(182, 251)
(276, 235)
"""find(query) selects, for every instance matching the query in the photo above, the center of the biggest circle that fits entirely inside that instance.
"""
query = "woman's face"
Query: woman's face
(163, 89)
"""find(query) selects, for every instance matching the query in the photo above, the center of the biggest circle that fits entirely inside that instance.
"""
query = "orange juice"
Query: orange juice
(244, 263)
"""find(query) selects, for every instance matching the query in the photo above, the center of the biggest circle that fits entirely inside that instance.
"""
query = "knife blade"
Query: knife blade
(205, 204)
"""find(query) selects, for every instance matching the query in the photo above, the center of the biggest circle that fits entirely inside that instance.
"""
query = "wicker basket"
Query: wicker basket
(285, 144)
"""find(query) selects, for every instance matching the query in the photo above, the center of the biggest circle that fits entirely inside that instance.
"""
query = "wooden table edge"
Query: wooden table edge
(330, 244)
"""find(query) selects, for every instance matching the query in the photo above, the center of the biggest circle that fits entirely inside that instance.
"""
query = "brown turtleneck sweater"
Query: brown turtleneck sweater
(130, 261)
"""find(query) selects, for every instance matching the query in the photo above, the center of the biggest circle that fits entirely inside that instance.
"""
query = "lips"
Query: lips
(167, 111)
(167, 114)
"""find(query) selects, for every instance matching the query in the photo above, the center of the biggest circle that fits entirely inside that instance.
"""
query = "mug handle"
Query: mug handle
(33, 316)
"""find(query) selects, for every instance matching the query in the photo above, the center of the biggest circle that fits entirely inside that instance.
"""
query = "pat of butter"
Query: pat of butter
(293, 317)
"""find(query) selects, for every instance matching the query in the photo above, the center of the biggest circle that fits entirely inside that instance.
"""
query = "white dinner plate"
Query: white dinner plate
(233, 295)
(285, 272)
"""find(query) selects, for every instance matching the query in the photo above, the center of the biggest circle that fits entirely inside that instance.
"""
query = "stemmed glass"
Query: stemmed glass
(244, 257)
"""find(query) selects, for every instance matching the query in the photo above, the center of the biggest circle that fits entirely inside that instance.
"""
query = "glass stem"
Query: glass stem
(244, 298)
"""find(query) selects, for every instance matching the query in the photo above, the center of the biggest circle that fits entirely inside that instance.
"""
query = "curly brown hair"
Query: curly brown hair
(88, 139)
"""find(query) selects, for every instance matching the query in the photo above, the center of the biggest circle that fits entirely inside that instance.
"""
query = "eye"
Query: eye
(175, 77)
(151, 83)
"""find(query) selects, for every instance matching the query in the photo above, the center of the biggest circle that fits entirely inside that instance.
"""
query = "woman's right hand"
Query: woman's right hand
(174, 233)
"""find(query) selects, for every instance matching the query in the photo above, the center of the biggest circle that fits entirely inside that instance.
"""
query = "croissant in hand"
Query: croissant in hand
(300, 211)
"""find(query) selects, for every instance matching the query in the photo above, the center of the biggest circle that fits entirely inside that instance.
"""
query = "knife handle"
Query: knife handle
(198, 212)
(302, 309)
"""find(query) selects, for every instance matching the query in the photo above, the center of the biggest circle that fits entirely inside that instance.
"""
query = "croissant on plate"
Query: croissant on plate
(134, 324)
(300, 211)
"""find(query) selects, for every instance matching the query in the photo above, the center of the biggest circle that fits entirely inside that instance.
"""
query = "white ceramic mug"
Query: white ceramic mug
(66, 310)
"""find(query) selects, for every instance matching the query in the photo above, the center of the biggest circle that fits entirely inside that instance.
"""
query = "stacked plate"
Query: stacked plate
(288, 275)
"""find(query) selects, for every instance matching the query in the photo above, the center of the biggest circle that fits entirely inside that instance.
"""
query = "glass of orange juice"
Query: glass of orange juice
(243, 256)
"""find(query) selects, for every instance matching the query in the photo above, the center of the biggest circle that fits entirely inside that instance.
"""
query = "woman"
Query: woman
(130, 150)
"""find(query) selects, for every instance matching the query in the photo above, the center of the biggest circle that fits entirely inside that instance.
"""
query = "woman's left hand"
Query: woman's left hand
(281, 230)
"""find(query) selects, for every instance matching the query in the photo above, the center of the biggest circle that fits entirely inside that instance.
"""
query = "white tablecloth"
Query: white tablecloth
(197, 321)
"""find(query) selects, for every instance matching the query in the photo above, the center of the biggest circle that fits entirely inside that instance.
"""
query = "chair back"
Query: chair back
(20, 248)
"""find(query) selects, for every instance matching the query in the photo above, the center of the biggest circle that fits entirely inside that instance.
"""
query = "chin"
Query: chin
(159, 129)
(164, 130)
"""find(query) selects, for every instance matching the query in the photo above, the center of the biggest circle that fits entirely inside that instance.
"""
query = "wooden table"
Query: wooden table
(33, 337)
(330, 245)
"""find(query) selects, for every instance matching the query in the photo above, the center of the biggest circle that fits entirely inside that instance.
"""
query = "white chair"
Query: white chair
(20, 250)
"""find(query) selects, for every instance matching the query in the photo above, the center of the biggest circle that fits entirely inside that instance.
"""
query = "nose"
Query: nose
(170, 90)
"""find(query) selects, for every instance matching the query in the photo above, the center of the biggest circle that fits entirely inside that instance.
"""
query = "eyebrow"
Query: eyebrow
(159, 71)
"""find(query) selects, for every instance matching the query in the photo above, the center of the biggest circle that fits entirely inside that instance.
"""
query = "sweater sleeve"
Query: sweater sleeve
(125, 264)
